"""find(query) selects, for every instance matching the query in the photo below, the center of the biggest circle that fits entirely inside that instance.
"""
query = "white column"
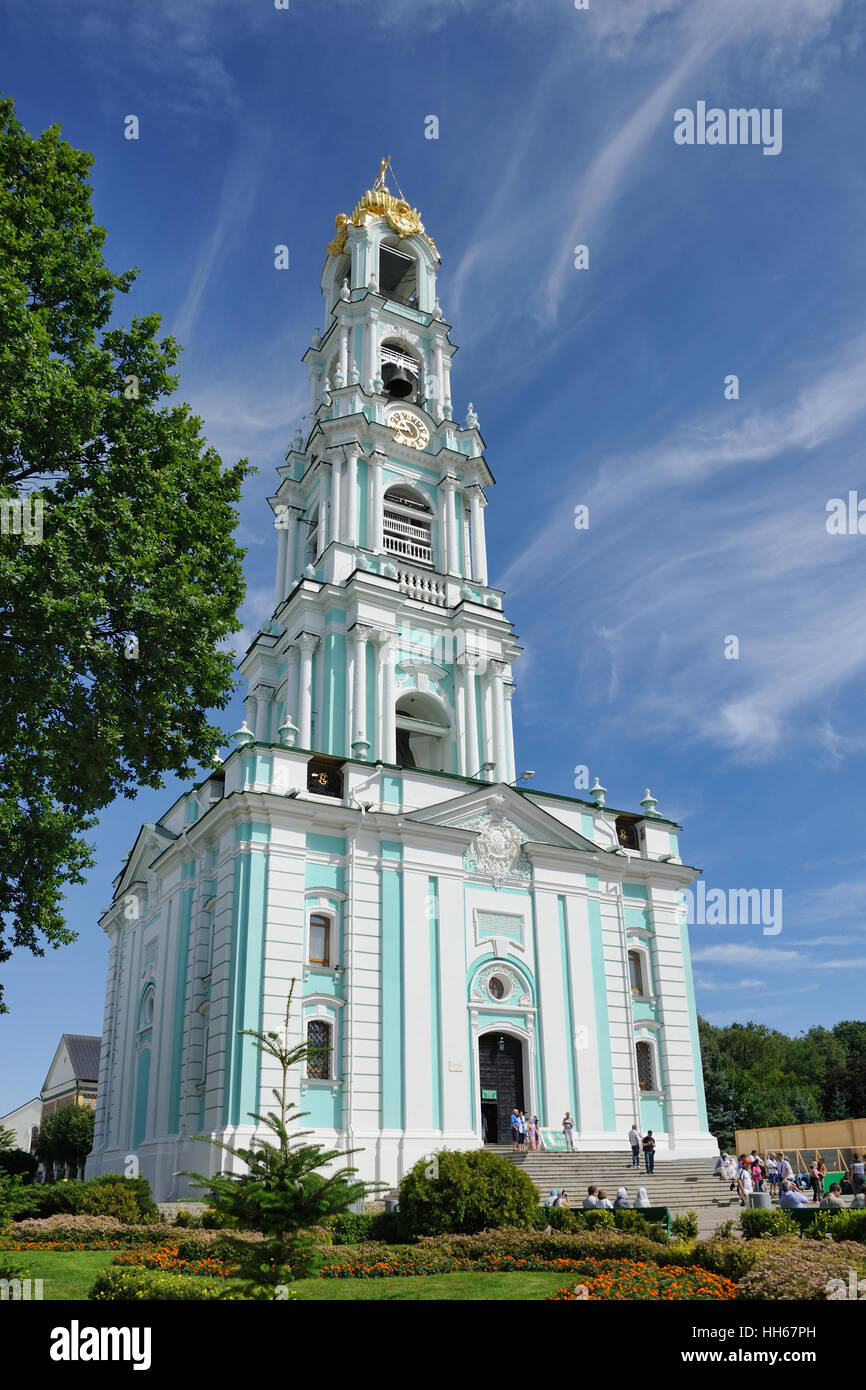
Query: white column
(336, 518)
(263, 715)
(451, 526)
(344, 351)
(465, 551)
(473, 757)
(292, 565)
(446, 368)
(293, 658)
(251, 708)
(307, 643)
(359, 641)
(282, 550)
(371, 339)
(350, 697)
(352, 499)
(488, 753)
(479, 543)
(388, 746)
(374, 518)
(500, 756)
(442, 498)
(460, 697)
(509, 732)
(322, 539)
(438, 375)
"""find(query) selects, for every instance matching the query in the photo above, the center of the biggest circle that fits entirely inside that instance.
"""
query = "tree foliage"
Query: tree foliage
(283, 1194)
(111, 623)
(755, 1076)
(65, 1139)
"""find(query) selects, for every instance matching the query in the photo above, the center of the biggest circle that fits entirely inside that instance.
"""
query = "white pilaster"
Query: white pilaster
(473, 755)
(374, 520)
(359, 637)
(292, 565)
(352, 498)
(336, 517)
(322, 538)
(509, 731)
(282, 550)
(307, 643)
(479, 542)
(500, 756)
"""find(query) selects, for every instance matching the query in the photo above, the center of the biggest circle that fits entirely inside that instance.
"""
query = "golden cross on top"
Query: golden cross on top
(380, 177)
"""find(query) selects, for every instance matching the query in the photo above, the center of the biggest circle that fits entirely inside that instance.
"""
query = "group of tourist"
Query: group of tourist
(774, 1174)
(524, 1131)
(596, 1199)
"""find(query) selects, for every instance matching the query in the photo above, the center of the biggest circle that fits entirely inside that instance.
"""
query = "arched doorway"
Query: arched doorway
(500, 1074)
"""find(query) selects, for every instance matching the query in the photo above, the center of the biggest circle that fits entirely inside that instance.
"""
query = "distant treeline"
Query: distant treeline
(755, 1076)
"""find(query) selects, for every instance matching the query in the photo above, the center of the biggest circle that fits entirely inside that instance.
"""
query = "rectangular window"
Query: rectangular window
(319, 1055)
(320, 941)
(635, 972)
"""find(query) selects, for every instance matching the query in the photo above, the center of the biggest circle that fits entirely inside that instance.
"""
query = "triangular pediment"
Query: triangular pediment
(503, 804)
(137, 874)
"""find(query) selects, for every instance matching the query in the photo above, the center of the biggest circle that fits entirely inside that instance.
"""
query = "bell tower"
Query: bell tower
(387, 643)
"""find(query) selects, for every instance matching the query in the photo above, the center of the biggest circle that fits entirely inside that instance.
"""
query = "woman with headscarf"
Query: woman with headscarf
(622, 1203)
(641, 1200)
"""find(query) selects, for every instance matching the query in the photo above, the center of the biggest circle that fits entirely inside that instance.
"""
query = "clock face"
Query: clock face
(408, 429)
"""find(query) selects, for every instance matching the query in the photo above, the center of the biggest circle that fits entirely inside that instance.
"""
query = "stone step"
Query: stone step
(675, 1183)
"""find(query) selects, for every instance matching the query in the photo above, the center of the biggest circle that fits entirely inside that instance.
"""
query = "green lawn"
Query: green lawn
(65, 1274)
(69, 1275)
(449, 1287)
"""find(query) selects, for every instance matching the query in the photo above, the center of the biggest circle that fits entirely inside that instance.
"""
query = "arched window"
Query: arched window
(319, 1056)
(635, 970)
(407, 527)
(401, 371)
(320, 939)
(422, 732)
(398, 274)
(645, 1068)
(145, 1013)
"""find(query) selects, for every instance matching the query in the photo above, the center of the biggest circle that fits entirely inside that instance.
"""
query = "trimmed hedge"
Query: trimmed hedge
(110, 1194)
(841, 1223)
(466, 1191)
(350, 1228)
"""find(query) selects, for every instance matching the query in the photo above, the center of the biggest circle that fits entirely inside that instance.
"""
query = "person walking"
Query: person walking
(858, 1174)
(568, 1131)
(649, 1151)
(530, 1132)
(634, 1141)
(786, 1172)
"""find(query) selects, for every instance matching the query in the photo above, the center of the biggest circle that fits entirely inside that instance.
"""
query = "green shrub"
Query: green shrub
(756, 1222)
(130, 1284)
(722, 1255)
(111, 1194)
(18, 1161)
(847, 1225)
(596, 1220)
(686, 1227)
(187, 1220)
(215, 1220)
(52, 1199)
(466, 1192)
(348, 1228)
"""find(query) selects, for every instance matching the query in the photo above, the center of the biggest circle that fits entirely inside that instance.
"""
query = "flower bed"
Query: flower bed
(789, 1267)
(168, 1259)
(628, 1280)
(73, 1233)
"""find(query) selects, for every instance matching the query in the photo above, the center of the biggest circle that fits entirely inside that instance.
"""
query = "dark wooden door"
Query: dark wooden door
(500, 1068)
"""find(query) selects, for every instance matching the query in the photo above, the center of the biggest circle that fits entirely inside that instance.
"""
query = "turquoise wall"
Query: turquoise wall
(435, 1000)
(392, 994)
(245, 981)
(181, 976)
(142, 1087)
(565, 958)
(602, 1023)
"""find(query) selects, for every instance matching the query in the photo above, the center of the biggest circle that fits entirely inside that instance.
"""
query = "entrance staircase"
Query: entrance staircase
(680, 1184)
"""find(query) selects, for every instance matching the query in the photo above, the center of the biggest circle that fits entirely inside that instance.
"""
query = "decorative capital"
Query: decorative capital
(308, 641)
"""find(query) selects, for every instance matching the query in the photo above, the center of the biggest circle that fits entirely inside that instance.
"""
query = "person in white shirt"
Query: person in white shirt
(634, 1141)
(745, 1186)
(590, 1200)
(604, 1201)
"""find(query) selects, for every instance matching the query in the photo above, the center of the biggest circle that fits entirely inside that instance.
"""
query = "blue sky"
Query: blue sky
(602, 387)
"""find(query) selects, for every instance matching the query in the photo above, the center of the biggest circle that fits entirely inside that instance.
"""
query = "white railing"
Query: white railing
(422, 587)
(409, 549)
(400, 526)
